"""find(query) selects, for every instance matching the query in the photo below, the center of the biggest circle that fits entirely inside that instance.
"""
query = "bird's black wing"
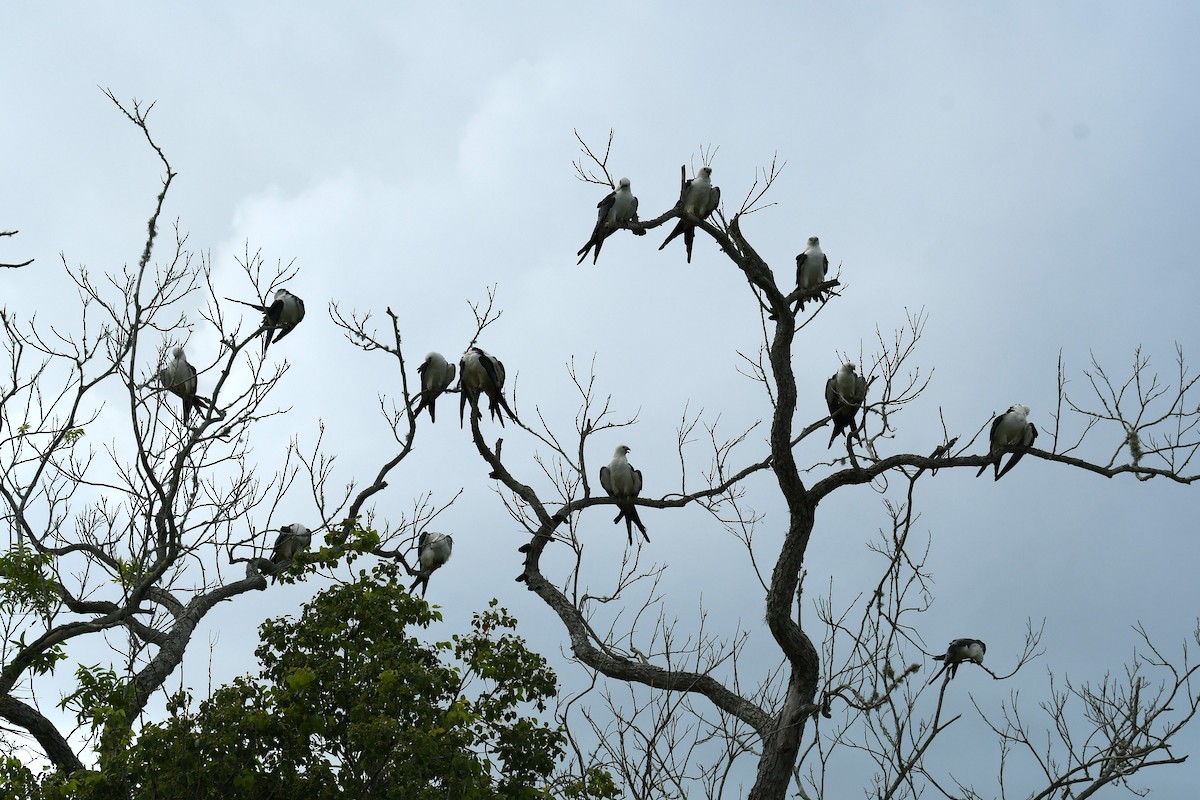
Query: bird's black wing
(605, 481)
(274, 311)
(601, 231)
(714, 200)
(1012, 462)
(604, 207)
(489, 367)
(833, 400)
(991, 445)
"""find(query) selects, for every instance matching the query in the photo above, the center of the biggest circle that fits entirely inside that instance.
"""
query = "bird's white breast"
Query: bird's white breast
(697, 196)
(622, 209)
(621, 476)
(812, 270)
(1011, 430)
(845, 383)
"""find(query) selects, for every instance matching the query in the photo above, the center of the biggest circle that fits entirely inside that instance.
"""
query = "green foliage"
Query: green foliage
(101, 700)
(349, 703)
(18, 782)
(343, 543)
(26, 583)
(596, 784)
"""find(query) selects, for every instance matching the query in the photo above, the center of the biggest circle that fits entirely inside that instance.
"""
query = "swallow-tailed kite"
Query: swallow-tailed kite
(284, 313)
(844, 395)
(482, 373)
(433, 550)
(1012, 432)
(811, 268)
(292, 540)
(436, 375)
(698, 198)
(179, 378)
(624, 482)
(960, 650)
(617, 208)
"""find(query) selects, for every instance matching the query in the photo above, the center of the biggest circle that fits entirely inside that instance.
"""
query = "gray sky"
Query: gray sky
(1024, 173)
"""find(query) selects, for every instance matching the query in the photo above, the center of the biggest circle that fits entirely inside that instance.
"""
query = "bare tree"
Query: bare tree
(133, 539)
(128, 521)
(676, 710)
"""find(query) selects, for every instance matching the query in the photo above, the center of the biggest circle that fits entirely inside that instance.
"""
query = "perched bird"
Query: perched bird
(292, 540)
(179, 378)
(811, 268)
(617, 208)
(844, 395)
(624, 482)
(1011, 432)
(698, 198)
(436, 375)
(480, 372)
(433, 550)
(960, 650)
(284, 314)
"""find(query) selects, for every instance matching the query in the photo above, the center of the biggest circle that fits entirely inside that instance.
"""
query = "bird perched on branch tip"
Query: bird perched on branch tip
(699, 198)
(844, 396)
(479, 372)
(433, 550)
(619, 207)
(179, 378)
(1012, 432)
(436, 376)
(623, 482)
(284, 313)
(959, 651)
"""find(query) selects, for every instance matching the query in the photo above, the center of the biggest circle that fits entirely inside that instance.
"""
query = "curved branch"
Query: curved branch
(57, 748)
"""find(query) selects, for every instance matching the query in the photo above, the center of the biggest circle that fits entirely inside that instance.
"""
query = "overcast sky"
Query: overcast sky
(1027, 175)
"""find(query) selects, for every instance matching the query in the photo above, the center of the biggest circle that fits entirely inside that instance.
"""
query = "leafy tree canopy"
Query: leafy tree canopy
(349, 702)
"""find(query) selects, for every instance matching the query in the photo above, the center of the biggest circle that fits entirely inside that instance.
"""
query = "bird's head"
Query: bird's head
(813, 241)
(622, 449)
(1017, 408)
(281, 293)
(848, 367)
(624, 183)
(178, 352)
(706, 171)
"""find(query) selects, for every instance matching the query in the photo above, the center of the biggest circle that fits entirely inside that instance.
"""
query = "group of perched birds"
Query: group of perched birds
(482, 374)
(433, 550)
(697, 198)
(178, 377)
(479, 374)
(845, 391)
